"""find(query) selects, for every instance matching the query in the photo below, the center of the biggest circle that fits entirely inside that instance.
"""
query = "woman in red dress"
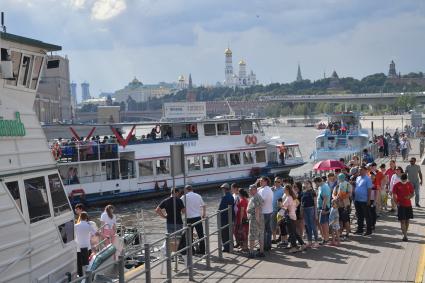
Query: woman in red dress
(241, 225)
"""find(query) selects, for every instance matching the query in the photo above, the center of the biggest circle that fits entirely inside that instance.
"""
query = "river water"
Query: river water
(154, 226)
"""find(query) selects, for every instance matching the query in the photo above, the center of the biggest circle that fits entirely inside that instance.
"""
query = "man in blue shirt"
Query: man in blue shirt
(362, 202)
(277, 194)
(226, 200)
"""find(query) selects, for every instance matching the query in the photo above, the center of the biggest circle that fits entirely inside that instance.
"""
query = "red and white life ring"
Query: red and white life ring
(77, 192)
(158, 129)
(193, 129)
(248, 139)
(251, 139)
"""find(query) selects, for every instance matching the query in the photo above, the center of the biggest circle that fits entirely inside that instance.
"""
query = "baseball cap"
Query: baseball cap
(225, 186)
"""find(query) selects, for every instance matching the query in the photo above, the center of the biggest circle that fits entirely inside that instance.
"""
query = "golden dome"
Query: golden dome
(242, 62)
(228, 51)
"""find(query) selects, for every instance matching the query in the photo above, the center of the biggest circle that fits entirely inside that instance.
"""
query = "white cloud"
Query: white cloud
(78, 4)
(107, 9)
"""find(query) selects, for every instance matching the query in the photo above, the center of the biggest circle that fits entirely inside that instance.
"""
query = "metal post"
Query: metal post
(147, 263)
(383, 126)
(230, 220)
(220, 246)
(189, 251)
(402, 124)
(121, 269)
(89, 275)
(168, 255)
(207, 243)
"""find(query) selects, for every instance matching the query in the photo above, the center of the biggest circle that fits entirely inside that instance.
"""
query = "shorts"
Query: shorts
(405, 213)
(274, 221)
(255, 230)
(344, 215)
(335, 227)
(323, 217)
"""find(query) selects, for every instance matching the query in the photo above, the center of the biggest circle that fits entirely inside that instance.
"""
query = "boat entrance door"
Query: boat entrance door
(127, 168)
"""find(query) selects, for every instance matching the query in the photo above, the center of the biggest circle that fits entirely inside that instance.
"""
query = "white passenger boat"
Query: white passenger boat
(342, 136)
(225, 149)
(36, 219)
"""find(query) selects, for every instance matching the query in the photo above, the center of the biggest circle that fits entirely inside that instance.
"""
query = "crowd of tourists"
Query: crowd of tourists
(305, 214)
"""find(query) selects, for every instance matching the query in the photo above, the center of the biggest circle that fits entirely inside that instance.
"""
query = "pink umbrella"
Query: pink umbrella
(326, 165)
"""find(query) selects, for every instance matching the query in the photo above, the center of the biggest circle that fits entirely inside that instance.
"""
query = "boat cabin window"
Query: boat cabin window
(52, 64)
(209, 129)
(38, 62)
(69, 175)
(222, 160)
(110, 168)
(13, 188)
(235, 158)
(4, 55)
(25, 72)
(59, 199)
(247, 127)
(194, 163)
(207, 161)
(145, 168)
(260, 156)
(66, 230)
(248, 157)
(222, 129)
(235, 127)
(257, 127)
(126, 169)
(37, 199)
(162, 166)
(293, 152)
(16, 63)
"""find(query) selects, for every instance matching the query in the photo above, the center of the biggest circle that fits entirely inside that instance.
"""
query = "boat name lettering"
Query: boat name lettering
(187, 143)
(12, 128)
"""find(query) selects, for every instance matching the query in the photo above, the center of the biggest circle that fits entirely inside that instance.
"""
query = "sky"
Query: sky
(109, 42)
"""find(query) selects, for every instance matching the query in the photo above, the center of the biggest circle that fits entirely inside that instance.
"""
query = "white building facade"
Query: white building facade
(243, 79)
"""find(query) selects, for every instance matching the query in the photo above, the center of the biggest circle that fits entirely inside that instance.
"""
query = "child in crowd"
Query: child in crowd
(334, 223)
(281, 221)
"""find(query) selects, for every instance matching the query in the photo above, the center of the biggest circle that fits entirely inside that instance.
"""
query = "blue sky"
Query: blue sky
(109, 42)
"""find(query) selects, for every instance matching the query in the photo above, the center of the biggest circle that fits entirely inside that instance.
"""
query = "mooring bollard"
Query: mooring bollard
(220, 247)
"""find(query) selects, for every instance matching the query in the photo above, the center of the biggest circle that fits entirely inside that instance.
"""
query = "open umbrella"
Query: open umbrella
(326, 165)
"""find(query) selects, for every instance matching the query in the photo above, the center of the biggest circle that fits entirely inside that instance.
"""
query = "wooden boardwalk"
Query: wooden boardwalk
(382, 257)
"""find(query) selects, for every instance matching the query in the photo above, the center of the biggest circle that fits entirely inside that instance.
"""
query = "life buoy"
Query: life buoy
(157, 129)
(193, 129)
(56, 151)
(253, 139)
(77, 192)
(248, 139)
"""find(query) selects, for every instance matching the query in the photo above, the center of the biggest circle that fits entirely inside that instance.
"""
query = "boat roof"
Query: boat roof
(29, 41)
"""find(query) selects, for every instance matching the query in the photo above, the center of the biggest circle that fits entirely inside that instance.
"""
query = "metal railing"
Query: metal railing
(168, 254)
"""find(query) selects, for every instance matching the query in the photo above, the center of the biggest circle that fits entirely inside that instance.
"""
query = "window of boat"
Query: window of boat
(166, 132)
(222, 160)
(59, 199)
(222, 129)
(248, 157)
(66, 230)
(25, 72)
(16, 63)
(209, 129)
(260, 155)
(207, 161)
(247, 127)
(235, 127)
(4, 54)
(110, 169)
(145, 168)
(290, 153)
(38, 62)
(194, 163)
(235, 158)
(257, 127)
(52, 64)
(162, 166)
(37, 199)
(13, 188)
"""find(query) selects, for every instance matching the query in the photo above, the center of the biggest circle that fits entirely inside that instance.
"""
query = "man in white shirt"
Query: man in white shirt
(83, 233)
(266, 194)
(195, 211)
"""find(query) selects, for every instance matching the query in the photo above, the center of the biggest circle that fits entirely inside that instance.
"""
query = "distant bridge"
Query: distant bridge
(361, 98)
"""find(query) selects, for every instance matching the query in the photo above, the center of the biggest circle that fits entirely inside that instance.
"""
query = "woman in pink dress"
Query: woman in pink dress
(109, 223)
(241, 225)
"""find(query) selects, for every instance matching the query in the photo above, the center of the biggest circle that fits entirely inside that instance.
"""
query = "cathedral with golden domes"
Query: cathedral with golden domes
(242, 79)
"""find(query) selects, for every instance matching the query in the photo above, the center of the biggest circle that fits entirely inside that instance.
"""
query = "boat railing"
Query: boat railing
(169, 252)
(163, 139)
(84, 152)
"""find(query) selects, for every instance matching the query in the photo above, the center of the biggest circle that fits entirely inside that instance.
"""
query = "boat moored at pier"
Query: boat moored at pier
(217, 150)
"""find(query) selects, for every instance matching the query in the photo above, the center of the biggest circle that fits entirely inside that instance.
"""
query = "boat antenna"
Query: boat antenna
(3, 27)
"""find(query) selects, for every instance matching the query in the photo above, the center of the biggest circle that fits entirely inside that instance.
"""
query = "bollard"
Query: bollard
(220, 246)
(121, 269)
(207, 243)
(189, 251)
(230, 220)
(168, 255)
(147, 263)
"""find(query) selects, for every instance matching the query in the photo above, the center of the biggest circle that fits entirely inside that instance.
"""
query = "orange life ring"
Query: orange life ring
(77, 192)
(253, 139)
(248, 139)
(193, 129)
